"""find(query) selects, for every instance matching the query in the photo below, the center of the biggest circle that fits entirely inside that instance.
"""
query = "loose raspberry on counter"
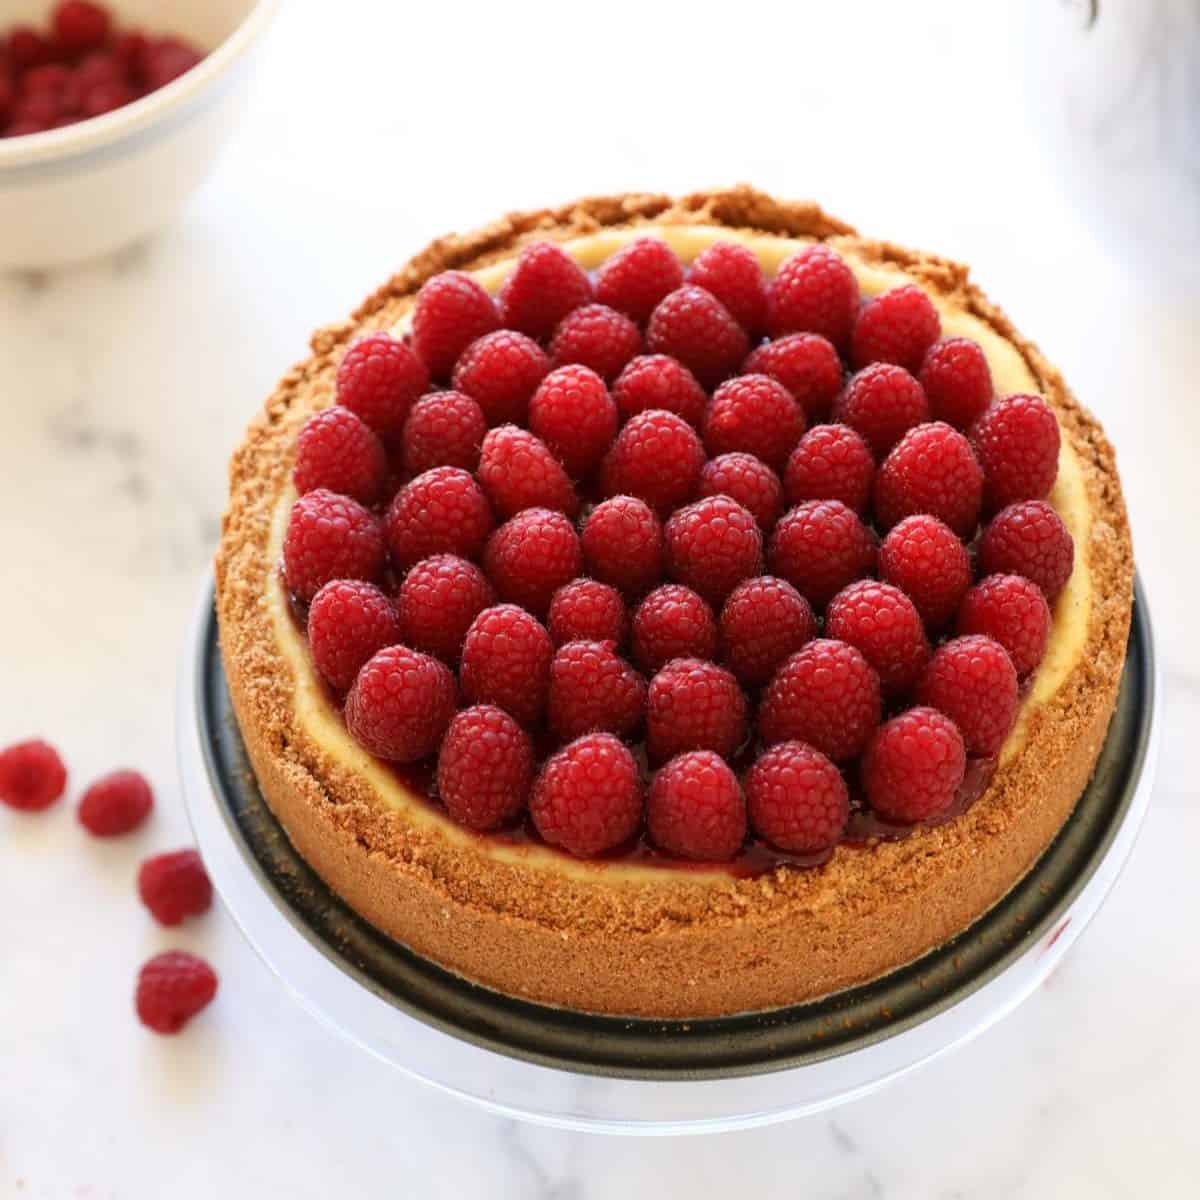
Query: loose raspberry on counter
(172, 988)
(32, 775)
(379, 379)
(658, 458)
(349, 621)
(882, 622)
(814, 291)
(531, 556)
(924, 558)
(444, 429)
(731, 272)
(337, 451)
(695, 808)
(897, 327)
(1016, 442)
(1029, 539)
(957, 381)
(400, 704)
(115, 804)
(754, 414)
(437, 603)
(638, 276)
(694, 705)
(914, 766)
(450, 313)
(594, 690)
(750, 482)
(712, 545)
(672, 622)
(545, 285)
(598, 337)
(657, 381)
(572, 412)
(587, 610)
(819, 547)
(623, 545)
(485, 768)
(330, 537)
(693, 326)
(797, 799)
(501, 371)
(80, 26)
(1011, 610)
(764, 621)
(174, 886)
(807, 365)
(517, 471)
(932, 469)
(972, 680)
(443, 511)
(882, 402)
(830, 462)
(506, 662)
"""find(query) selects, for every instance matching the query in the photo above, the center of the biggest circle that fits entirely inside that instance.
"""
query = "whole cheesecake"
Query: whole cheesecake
(680, 607)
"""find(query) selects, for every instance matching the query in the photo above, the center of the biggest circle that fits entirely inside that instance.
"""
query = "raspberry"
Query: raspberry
(506, 662)
(173, 886)
(1029, 539)
(623, 545)
(914, 766)
(165, 60)
(592, 689)
(754, 414)
(731, 272)
(80, 26)
(517, 471)
(575, 416)
(923, 557)
(171, 989)
(694, 705)
(379, 380)
(896, 327)
(638, 276)
(827, 695)
(797, 799)
(100, 67)
(443, 511)
(545, 285)
(882, 402)
(882, 622)
(750, 482)
(27, 48)
(819, 547)
(957, 381)
(656, 381)
(830, 462)
(444, 429)
(1016, 442)
(712, 546)
(588, 797)
(814, 291)
(695, 808)
(763, 622)
(32, 776)
(103, 98)
(587, 611)
(693, 326)
(1012, 611)
(531, 556)
(116, 803)
(348, 622)
(932, 469)
(335, 450)
(807, 365)
(658, 458)
(500, 371)
(437, 602)
(972, 680)
(672, 622)
(598, 337)
(485, 768)
(400, 704)
(451, 312)
(330, 537)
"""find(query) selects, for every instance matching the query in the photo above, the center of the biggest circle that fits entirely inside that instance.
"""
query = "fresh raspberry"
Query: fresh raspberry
(797, 799)
(7, 96)
(814, 291)
(348, 622)
(750, 482)
(819, 547)
(957, 381)
(531, 556)
(444, 429)
(1016, 442)
(103, 98)
(882, 622)
(175, 885)
(450, 313)
(695, 808)
(586, 610)
(694, 705)
(637, 277)
(807, 365)
(593, 689)
(32, 776)
(657, 381)
(972, 680)
(896, 327)
(830, 462)
(517, 471)
(827, 695)
(672, 622)
(882, 402)
(336, 450)
(914, 766)
(623, 545)
(596, 336)
(129, 49)
(27, 48)
(116, 803)
(588, 797)
(575, 416)
(545, 285)
(712, 546)
(754, 414)
(330, 537)
(485, 768)
(500, 371)
(171, 989)
(1011, 610)
(932, 469)
(80, 26)
(693, 326)
(100, 67)
(379, 379)
(764, 621)
(731, 272)
(506, 662)
(437, 602)
(443, 511)
(1029, 539)
(400, 704)
(923, 557)
(50, 82)
(658, 458)
(165, 60)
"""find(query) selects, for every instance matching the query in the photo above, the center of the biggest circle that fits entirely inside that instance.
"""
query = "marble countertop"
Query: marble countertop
(125, 385)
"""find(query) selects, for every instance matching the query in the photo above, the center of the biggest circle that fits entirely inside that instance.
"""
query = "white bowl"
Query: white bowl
(89, 189)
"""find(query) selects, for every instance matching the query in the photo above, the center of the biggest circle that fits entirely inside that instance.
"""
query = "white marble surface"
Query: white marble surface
(123, 386)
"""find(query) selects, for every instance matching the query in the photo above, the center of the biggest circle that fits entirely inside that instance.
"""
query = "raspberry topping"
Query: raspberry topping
(593, 690)
(598, 337)
(731, 272)
(638, 276)
(882, 402)
(545, 285)
(819, 547)
(506, 662)
(379, 379)
(694, 705)
(586, 610)
(1012, 611)
(115, 804)
(1016, 442)
(882, 622)
(658, 458)
(623, 545)
(972, 680)
(437, 602)
(451, 312)
(807, 365)
(672, 622)
(830, 462)
(957, 381)
(750, 482)
(763, 622)
(1029, 539)
(712, 546)
(444, 429)
(575, 416)
(693, 326)
(914, 766)
(896, 327)
(501, 371)
(932, 469)
(923, 557)
(337, 451)
(32, 776)
(530, 557)
(330, 537)
(518, 471)
(400, 704)
(348, 622)
(485, 768)
(813, 292)
(797, 799)
(174, 886)
(171, 989)
(757, 415)
(656, 381)
(443, 511)
(695, 808)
